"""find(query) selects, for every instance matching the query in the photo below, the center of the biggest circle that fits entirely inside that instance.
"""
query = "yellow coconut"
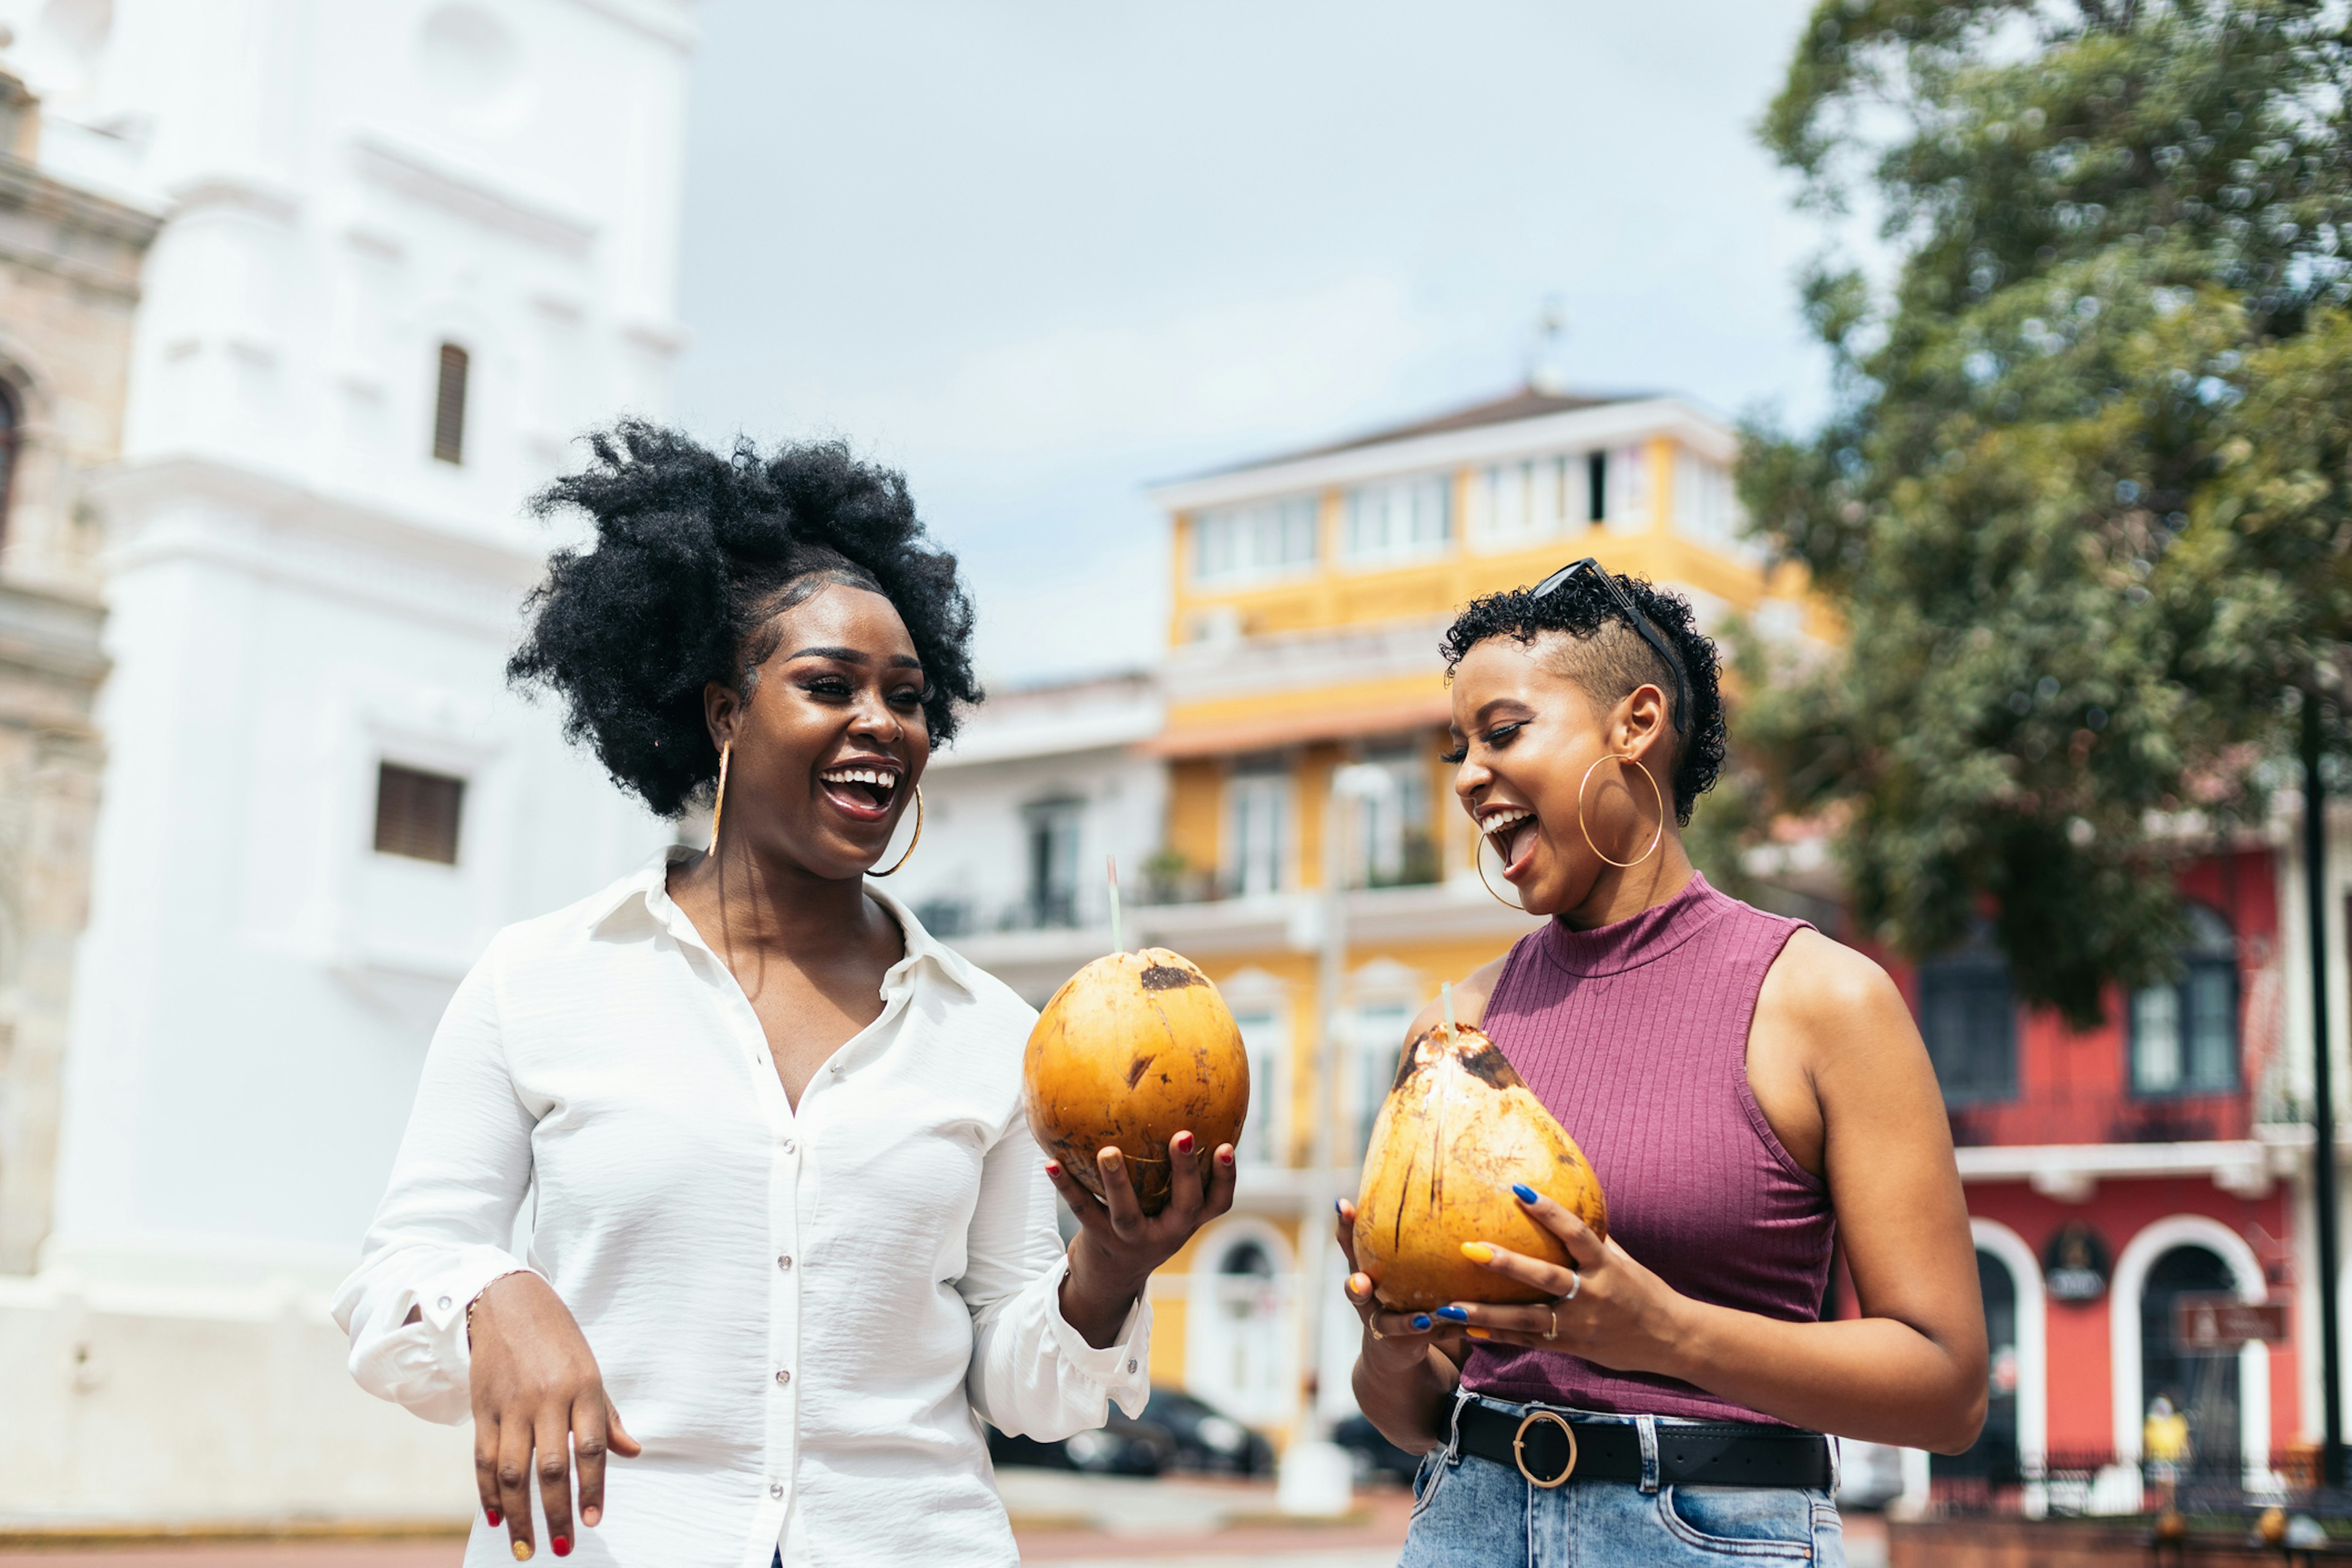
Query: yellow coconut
(1133, 1049)
(1459, 1127)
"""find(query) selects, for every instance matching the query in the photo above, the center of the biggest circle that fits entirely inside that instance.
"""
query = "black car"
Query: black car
(1375, 1456)
(1206, 1438)
(1120, 1447)
(1177, 1431)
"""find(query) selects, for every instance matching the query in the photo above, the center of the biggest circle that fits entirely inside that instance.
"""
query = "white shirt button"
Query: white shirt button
(783, 1377)
(445, 1303)
(1130, 1365)
(789, 1145)
(785, 1263)
(775, 1489)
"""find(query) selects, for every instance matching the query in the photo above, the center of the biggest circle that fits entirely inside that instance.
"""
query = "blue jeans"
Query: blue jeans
(1469, 1512)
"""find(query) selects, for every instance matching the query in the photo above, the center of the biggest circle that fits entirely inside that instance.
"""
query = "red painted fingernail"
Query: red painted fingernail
(562, 1545)
(1226, 1155)
(493, 1516)
(1052, 1167)
(1182, 1142)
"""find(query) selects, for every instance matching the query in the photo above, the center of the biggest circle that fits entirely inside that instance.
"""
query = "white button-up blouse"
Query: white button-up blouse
(801, 1315)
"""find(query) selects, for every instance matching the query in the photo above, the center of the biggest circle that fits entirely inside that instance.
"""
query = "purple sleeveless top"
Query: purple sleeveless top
(1635, 1037)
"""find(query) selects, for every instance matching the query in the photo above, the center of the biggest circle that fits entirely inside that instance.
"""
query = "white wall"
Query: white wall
(299, 591)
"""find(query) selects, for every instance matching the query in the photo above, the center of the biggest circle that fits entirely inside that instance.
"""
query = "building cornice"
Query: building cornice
(430, 176)
(1584, 427)
(2071, 1172)
(28, 185)
(279, 528)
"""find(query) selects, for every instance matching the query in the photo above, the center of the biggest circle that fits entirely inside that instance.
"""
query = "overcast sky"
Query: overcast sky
(1042, 253)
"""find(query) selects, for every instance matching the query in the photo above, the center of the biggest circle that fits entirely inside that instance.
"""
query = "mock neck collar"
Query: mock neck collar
(1638, 939)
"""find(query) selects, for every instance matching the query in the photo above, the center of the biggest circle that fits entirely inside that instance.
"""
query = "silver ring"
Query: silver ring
(1575, 1283)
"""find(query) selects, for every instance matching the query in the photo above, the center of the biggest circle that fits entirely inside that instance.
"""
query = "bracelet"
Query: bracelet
(478, 1300)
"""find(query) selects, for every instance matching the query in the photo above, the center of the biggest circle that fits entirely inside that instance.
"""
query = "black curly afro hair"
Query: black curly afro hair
(695, 556)
(1609, 659)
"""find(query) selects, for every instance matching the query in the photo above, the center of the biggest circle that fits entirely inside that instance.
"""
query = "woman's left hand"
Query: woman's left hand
(1118, 1245)
(1607, 1310)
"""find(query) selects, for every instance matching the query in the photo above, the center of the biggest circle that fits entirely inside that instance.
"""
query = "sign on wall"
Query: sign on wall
(2211, 1323)
(2075, 1265)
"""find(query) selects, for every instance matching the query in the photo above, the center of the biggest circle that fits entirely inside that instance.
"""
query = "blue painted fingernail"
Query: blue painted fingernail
(1526, 1194)
(1337, 1207)
(1421, 1321)
(1454, 1314)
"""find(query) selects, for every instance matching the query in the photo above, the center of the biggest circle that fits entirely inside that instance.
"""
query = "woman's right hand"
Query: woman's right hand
(537, 1389)
(1398, 1346)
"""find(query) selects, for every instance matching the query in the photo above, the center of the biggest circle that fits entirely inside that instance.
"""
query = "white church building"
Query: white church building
(411, 248)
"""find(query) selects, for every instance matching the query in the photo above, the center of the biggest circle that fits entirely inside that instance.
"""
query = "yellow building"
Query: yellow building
(1292, 735)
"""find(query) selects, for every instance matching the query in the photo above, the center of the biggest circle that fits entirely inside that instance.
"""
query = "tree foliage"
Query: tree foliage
(2083, 496)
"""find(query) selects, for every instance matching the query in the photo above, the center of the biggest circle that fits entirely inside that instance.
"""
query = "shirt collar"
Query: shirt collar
(646, 891)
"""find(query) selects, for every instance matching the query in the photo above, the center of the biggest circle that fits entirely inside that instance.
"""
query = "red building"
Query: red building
(2110, 1173)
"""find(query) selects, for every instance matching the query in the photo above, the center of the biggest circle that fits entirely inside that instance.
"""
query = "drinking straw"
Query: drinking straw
(1445, 997)
(1111, 865)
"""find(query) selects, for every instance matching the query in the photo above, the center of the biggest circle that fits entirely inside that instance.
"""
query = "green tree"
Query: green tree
(2082, 494)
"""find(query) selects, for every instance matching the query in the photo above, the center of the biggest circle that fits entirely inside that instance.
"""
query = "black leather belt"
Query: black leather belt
(1544, 1447)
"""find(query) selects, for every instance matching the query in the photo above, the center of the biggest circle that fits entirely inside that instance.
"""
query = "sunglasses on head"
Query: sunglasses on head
(1589, 567)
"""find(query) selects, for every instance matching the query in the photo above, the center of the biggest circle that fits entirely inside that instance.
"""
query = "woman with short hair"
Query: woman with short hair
(1747, 1091)
(786, 1213)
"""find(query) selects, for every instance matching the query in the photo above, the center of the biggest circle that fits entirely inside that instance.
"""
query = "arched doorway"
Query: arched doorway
(1993, 1458)
(1240, 1343)
(2205, 1389)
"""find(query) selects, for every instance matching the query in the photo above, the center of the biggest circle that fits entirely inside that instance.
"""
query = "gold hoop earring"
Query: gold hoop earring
(718, 797)
(1478, 864)
(1655, 839)
(910, 843)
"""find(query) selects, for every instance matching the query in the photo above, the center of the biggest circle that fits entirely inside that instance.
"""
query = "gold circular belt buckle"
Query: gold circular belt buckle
(1520, 1448)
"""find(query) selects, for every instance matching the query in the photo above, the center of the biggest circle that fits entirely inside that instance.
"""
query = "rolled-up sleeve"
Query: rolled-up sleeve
(1032, 1373)
(444, 1229)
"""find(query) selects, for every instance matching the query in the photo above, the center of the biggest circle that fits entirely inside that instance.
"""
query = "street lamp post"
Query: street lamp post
(1317, 1474)
(2323, 1099)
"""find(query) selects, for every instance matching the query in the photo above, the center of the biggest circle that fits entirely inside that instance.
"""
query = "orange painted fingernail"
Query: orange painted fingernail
(589, 1516)
(1476, 1333)
(1478, 1252)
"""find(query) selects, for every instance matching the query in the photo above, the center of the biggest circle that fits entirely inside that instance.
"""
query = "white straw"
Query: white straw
(1445, 997)
(1111, 865)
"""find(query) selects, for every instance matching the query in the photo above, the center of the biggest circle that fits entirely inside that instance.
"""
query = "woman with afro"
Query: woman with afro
(789, 1241)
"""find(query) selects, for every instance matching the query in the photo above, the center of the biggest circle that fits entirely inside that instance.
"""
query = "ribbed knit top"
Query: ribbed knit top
(1634, 1035)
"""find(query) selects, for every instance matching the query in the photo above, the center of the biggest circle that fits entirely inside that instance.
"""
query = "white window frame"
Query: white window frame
(1256, 542)
(1625, 500)
(1520, 502)
(1419, 505)
(1382, 820)
(1706, 506)
(1256, 994)
(1384, 996)
(1253, 797)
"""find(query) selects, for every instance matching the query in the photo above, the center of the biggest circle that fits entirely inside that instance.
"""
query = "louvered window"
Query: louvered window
(450, 406)
(416, 813)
